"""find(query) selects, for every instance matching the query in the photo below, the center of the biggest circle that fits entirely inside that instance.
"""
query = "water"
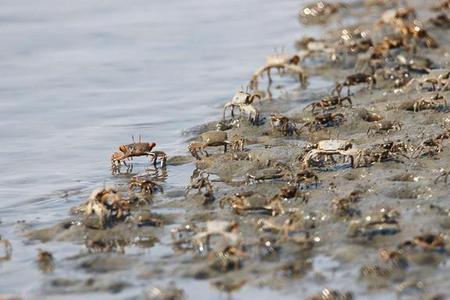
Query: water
(81, 77)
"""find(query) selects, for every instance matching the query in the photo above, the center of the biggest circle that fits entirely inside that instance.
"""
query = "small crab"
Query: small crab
(383, 222)
(240, 99)
(382, 152)
(369, 116)
(444, 176)
(208, 139)
(325, 120)
(434, 102)
(7, 249)
(45, 261)
(327, 294)
(305, 176)
(282, 124)
(277, 171)
(145, 185)
(328, 148)
(441, 20)
(158, 154)
(227, 259)
(199, 182)
(394, 258)
(425, 242)
(414, 31)
(241, 203)
(319, 12)
(107, 204)
(436, 80)
(443, 5)
(280, 62)
(329, 102)
(129, 151)
(346, 206)
(392, 16)
(385, 126)
(355, 79)
(432, 146)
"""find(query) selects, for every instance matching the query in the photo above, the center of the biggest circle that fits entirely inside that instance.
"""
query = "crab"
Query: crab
(444, 176)
(328, 148)
(383, 222)
(434, 102)
(282, 124)
(158, 154)
(394, 258)
(327, 294)
(278, 171)
(369, 116)
(441, 20)
(346, 206)
(329, 102)
(240, 99)
(355, 79)
(385, 126)
(310, 47)
(145, 185)
(208, 139)
(305, 176)
(45, 261)
(227, 259)
(382, 152)
(107, 204)
(281, 62)
(438, 79)
(240, 203)
(199, 182)
(391, 16)
(319, 12)
(325, 120)
(413, 31)
(443, 5)
(432, 146)
(7, 249)
(425, 242)
(129, 151)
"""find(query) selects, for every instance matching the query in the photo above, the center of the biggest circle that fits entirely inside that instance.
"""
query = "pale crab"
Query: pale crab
(107, 204)
(328, 148)
(435, 102)
(239, 100)
(7, 249)
(280, 62)
(208, 139)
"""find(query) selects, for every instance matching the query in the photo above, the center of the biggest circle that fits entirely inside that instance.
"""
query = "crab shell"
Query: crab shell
(214, 137)
(333, 145)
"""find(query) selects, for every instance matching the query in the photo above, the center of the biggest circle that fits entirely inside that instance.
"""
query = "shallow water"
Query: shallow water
(80, 78)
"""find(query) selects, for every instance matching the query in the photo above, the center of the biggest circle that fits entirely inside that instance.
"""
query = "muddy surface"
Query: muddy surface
(368, 219)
